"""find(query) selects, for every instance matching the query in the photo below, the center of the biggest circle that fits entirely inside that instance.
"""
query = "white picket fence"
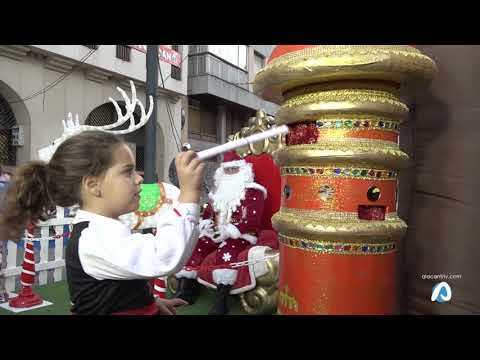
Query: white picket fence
(14, 262)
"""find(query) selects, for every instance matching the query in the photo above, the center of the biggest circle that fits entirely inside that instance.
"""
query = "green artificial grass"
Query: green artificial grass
(57, 293)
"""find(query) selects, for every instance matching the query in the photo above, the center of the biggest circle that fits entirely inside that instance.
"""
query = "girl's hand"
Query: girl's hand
(190, 176)
(167, 306)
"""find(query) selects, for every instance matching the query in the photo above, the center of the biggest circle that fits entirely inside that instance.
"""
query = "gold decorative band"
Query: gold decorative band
(387, 86)
(354, 116)
(310, 106)
(353, 95)
(329, 226)
(340, 50)
(370, 153)
(338, 248)
(326, 63)
(336, 216)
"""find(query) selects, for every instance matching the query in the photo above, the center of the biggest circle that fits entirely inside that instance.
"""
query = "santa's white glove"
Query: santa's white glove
(233, 231)
(206, 228)
(220, 234)
(225, 232)
(206, 225)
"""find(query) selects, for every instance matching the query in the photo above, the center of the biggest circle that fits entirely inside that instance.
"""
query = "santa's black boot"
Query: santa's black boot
(188, 290)
(220, 307)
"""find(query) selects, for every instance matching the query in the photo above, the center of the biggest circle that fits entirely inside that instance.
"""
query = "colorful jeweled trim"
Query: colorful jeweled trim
(358, 124)
(341, 172)
(337, 248)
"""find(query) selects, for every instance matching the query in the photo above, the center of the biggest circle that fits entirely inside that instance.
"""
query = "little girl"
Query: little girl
(107, 266)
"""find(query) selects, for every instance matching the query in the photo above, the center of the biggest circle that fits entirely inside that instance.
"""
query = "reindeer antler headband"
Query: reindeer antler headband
(71, 127)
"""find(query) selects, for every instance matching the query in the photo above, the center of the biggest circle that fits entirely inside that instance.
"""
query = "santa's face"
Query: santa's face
(233, 177)
(230, 185)
(232, 170)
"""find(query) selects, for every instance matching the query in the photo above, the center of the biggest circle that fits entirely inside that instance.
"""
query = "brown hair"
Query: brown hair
(38, 186)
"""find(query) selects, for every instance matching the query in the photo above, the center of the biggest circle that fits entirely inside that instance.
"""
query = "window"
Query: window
(234, 54)
(202, 123)
(7, 121)
(194, 126)
(176, 71)
(259, 62)
(236, 120)
(123, 52)
(94, 47)
(106, 114)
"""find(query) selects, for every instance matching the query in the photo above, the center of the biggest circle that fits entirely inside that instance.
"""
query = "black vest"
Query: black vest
(100, 297)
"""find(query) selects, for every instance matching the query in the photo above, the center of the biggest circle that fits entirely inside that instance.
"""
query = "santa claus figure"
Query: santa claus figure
(230, 224)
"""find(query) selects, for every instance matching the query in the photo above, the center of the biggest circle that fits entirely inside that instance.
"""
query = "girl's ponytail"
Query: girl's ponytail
(27, 199)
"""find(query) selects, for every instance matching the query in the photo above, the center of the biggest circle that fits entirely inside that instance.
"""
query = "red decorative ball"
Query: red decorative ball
(302, 133)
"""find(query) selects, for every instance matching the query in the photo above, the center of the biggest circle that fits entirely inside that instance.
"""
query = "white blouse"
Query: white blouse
(109, 250)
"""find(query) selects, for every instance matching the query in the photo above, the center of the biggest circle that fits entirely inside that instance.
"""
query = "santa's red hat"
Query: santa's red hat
(232, 159)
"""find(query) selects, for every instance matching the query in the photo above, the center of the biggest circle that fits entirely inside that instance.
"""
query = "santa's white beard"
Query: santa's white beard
(230, 191)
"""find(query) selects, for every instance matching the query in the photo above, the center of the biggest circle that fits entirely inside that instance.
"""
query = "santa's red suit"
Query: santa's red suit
(252, 207)
(235, 227)
(267, 174)
(259, 211)
(229, 224)
(237, 231)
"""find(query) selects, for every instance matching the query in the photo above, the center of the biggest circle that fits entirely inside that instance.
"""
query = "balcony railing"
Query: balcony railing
(208, 64)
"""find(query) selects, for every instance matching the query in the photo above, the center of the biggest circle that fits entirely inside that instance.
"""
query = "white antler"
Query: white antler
(121, 119)
(143, 119)
(71, 127)
(130, 106)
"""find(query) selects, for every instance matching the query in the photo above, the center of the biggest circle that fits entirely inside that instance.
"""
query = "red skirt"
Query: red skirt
(151, 309)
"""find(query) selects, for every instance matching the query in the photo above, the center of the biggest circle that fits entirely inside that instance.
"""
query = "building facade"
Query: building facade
(220, 91)
(207, 97)
(41, 84)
